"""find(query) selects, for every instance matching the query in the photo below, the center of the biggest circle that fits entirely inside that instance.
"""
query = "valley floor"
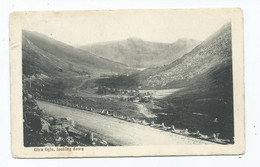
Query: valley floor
(83, 96)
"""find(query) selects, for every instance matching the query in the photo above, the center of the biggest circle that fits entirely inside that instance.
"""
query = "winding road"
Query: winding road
(115, 131)
(143, 110)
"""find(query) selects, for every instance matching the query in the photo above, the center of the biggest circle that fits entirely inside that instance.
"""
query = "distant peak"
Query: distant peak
(185, 40)
(134, 39)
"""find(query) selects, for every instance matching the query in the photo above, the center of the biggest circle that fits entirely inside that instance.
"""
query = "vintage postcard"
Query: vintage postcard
(114, 83)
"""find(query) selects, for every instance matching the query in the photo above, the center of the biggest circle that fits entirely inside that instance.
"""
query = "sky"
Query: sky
(84, 28)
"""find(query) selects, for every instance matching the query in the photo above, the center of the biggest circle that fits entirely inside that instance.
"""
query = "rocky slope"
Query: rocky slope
(41, 129)
(214, 51)
(206, 101)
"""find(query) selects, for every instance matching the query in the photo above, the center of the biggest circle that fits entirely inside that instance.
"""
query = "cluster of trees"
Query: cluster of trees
(131, 95)
(106, 90)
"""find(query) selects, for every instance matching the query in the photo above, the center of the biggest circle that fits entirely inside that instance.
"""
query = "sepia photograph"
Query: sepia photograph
(127, 83)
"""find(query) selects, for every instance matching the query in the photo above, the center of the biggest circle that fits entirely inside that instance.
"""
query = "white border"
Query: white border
(252, 91)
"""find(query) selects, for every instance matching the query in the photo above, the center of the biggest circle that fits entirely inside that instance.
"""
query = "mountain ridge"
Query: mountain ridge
(139, 53)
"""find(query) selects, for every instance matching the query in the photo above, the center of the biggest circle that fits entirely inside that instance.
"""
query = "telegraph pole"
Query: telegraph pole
(30, 81)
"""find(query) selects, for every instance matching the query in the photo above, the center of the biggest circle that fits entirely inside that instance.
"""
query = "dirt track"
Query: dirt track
(143, 110)
(117, 131)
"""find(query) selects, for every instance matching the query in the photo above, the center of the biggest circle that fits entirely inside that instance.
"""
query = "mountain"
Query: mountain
(215, 50)
(206, 101)
(136, 52)
(42, 54)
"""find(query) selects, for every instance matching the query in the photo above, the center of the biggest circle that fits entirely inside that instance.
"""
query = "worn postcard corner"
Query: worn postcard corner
(127, 83)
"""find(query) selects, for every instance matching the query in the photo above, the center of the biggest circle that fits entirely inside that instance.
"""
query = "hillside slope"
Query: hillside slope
(206, 101)
(206, 104)
(136, 52)
(215, 50)
(42, 54)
